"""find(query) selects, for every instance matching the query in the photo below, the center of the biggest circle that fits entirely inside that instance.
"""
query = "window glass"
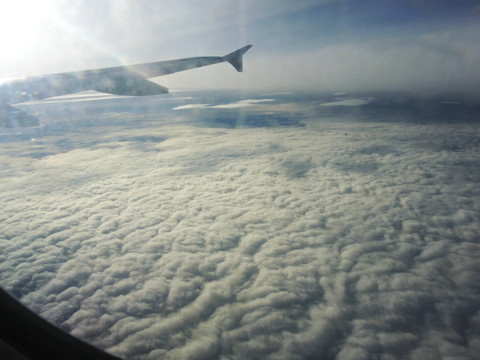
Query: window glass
(323, 203)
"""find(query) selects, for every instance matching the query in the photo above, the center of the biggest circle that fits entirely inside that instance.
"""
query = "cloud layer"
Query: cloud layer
(339, 239)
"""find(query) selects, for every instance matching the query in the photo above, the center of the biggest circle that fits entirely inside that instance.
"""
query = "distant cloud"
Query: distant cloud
(348, 102)
(234, 105)
(190, 106)
(241, 104)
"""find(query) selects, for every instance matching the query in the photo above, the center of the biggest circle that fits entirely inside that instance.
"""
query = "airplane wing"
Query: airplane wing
(160, 68)
(120, 80)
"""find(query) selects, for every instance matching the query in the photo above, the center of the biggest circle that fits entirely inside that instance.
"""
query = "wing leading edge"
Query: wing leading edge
(150, 70)
(121, 80)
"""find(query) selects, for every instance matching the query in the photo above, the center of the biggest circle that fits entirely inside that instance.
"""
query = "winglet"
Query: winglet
(235, 58)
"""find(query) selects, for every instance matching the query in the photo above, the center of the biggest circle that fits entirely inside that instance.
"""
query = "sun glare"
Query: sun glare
(22, 25)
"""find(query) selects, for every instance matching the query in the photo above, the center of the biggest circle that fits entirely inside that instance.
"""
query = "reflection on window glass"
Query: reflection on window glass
(168, 192)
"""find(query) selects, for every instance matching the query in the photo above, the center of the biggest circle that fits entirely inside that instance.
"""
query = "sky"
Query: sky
(428, 46)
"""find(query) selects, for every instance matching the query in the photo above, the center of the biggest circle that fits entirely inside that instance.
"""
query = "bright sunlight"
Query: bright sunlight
(23, 24)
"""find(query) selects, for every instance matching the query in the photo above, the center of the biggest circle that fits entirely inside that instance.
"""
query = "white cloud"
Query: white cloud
(348, 102)
(190, 106)
(337, 239)
(234, 105)
(241, 104)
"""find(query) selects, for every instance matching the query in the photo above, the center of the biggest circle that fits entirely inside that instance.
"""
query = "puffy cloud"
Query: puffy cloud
(342, 238)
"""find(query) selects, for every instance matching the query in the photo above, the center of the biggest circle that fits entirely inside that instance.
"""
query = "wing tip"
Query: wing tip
(235, 58)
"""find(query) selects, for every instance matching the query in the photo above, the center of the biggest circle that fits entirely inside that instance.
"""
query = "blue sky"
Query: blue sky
(321, 45)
